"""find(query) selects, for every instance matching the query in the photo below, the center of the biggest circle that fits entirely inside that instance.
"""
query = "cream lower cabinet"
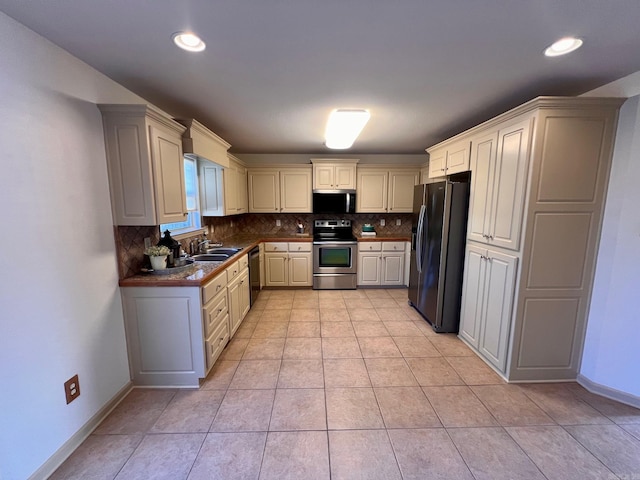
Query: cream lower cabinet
(487, 301)
(381, 263)
(385, 191)
(239, 292)
(176, 334)
(165, 335)
(145, 164)
(288, 264)
(280, 190)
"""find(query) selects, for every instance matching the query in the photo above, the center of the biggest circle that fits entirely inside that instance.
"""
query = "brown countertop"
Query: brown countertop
(201, 272)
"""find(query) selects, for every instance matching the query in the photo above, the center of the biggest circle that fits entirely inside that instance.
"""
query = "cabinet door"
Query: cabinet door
(264, 191)
(457, 158)
(472, 294)
(243, 200)
(345, 177)
(372, 191)
(235, 306)
(401, 185)
(295, 191)
(230, 176)
(276, 272)
(300, 270)
(211, 189)
(483, 158)
(168, 170)
(437, 163)
(369, 268)
(323, 177)
(392, 269)
(245, 294)
(509, 185)
(498, 299)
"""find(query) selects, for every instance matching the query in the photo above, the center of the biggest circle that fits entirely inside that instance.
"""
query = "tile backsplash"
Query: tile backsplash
(130, 240)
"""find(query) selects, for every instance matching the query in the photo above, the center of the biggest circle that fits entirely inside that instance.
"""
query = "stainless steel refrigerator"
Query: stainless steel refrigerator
(439, 227)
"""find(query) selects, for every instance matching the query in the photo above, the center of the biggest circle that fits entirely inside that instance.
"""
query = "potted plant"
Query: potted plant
(158, 256)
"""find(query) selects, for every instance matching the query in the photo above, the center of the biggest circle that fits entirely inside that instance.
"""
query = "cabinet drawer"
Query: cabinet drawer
(215, 343)
(214, 287)
(243, 262)
(370, 246)
(213, 312)
(299, 247)
(276, 247)
(393, 246)
(234, 270)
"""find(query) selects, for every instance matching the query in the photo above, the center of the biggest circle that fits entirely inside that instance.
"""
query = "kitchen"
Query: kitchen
(79, 196)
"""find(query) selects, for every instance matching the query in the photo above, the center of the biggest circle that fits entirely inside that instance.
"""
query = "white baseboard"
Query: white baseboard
(52, 464)
(608, 392)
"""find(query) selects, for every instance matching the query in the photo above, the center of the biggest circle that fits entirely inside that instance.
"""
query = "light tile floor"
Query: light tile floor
(356, 385)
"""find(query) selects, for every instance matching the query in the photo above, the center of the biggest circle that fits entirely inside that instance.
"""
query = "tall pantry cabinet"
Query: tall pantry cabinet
(538, 180)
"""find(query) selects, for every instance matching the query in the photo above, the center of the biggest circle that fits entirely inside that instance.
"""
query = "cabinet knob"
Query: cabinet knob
(218, 287)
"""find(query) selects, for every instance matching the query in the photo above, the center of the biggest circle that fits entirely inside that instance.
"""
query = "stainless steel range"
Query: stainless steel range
(334, 255)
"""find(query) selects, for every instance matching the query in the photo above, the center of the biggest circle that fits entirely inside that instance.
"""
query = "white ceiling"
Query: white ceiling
(274, 69)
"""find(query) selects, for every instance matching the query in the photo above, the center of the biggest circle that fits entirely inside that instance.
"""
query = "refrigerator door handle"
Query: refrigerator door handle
(419, 239)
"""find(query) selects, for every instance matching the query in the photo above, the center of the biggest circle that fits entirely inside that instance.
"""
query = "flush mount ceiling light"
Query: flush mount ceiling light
(188, 41)
(343, 127)
(563, 46)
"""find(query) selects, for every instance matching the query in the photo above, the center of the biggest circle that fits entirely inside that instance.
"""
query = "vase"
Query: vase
(158, 263)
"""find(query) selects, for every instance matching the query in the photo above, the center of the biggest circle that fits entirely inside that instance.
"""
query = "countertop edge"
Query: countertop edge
(247, 242)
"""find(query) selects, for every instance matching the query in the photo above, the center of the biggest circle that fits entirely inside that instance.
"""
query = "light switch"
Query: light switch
(382, 222)
(398, 222)
(278, 223)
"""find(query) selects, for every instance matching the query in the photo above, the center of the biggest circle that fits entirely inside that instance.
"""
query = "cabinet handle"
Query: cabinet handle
(218, 287)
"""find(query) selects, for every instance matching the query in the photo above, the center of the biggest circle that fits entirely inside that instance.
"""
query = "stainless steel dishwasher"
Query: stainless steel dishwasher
(254, 273)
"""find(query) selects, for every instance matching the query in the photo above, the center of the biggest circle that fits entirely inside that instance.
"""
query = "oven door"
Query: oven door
(334, 257)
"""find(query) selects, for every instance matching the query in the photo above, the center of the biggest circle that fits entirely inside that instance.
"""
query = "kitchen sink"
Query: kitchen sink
(211, 257)
(223, 251)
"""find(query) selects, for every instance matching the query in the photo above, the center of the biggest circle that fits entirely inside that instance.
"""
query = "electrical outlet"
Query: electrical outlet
(382, 222)
(278, 223)
(147, 242)
(398, 222)
(72, 389)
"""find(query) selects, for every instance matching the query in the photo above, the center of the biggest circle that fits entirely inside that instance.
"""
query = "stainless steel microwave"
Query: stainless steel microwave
(334, 202)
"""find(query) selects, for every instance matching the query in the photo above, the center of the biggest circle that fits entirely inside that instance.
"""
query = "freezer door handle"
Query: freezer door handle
(420, 238)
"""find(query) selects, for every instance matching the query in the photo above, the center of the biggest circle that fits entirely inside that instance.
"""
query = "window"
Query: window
(193, 221)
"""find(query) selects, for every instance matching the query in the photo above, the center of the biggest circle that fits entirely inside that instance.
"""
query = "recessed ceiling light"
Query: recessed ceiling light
(188, 41)
(343, 127)
(563, 46)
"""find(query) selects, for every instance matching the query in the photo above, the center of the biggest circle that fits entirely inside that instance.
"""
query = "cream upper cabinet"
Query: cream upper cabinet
(401, 183)
(499, 162)
(381, 191)
(334, 174)
(223, 191)
(286, 190)
(448, 160)
(264, 191)
(144, 158)
(235, 190)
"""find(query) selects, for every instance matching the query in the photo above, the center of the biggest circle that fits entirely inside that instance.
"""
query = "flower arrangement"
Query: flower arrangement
(157, 251)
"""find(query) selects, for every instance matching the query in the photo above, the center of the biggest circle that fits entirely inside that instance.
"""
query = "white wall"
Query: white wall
(60, 310)
(611, 355)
